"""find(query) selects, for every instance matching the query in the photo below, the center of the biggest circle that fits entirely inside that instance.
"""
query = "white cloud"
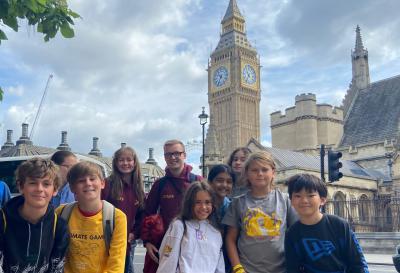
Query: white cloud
(135, 72)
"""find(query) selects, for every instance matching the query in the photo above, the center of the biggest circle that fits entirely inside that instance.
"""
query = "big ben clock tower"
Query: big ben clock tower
(234, 84)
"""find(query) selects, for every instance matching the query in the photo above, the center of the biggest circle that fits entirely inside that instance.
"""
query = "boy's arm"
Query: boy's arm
(60, 246)
(356, 262)
(231, 247)
(293, 261)
(117, 251)
(170, 248)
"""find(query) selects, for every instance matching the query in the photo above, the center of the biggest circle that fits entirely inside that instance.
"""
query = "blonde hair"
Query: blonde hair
(264, 158)
(173, 142)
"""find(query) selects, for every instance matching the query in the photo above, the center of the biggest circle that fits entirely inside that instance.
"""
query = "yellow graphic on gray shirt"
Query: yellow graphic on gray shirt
(258, 223)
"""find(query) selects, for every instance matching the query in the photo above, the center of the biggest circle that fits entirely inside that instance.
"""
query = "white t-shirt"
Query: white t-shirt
(199, 250)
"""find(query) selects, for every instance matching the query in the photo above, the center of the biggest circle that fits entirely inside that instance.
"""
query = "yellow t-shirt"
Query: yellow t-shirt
(87, 250)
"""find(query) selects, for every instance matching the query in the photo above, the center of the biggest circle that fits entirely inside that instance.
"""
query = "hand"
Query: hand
(152, 250)
(131, 237)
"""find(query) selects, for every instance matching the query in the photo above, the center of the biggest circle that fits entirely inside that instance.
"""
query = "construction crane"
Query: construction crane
(40, 106)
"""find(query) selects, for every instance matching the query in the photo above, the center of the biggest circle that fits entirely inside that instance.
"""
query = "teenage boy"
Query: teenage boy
(88, 251)
(319, 242)
(32, 237)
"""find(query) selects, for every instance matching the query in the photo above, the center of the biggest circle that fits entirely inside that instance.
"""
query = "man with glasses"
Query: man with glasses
(166, 194)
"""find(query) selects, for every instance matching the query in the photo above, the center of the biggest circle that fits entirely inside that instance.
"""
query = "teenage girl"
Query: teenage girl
(236, 162)
(258, 220)
(191, 243)
(221, 179)
(124, 189)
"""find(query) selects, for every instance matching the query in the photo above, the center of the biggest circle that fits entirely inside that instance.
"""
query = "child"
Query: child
(221, 178)
(236, 162)
(87, 252)
(258, 219)
(191, 243)
(124, 189)
(32, 237)
(319, 242)
(65, 160)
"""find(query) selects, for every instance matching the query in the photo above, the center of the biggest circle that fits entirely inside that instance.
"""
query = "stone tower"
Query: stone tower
(234, 84)
(360, 71)
(307, 125)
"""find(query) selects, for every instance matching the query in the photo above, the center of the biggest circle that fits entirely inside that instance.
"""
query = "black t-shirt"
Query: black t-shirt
(328, 246)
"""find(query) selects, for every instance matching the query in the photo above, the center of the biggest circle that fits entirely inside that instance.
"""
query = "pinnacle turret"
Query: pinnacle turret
(359, 43)
(232, 10)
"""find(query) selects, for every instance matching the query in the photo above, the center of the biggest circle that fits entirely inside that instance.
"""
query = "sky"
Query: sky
(135, 71)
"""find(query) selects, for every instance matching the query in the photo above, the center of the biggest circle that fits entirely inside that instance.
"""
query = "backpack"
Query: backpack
(108, 220)
(5, 223)
(163, 181)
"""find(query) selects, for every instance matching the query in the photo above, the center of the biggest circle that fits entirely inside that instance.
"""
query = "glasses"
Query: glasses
(173, 154)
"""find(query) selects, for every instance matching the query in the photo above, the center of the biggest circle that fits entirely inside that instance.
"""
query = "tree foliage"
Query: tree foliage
(49, 16)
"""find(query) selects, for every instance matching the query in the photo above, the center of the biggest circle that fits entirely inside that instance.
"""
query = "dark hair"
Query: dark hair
(115, 179)
(82, 169)
(306, 181)
(60, 156)
(37, 168)
(188, 203)
(245, 150)
(221, 168)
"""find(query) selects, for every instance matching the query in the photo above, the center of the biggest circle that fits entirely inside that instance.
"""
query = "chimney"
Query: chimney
(95, 150)
(64, 144)
(9, 142)
(24, 139)
(151, 159)
(123, 144)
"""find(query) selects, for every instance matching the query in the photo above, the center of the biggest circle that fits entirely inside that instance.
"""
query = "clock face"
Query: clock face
(249, 74)
(220, 76)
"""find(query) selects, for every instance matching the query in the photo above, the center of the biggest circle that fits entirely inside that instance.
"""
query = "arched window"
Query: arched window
(339, 203)
(363, 208)
(389, 219)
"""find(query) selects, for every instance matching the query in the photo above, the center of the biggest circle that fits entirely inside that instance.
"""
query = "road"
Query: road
(140, 252)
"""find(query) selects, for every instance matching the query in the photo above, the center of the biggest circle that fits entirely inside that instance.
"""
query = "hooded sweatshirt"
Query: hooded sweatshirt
(170, 199)
(27, 247)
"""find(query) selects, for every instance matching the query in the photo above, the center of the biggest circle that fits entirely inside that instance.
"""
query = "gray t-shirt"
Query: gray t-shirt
(262, 223)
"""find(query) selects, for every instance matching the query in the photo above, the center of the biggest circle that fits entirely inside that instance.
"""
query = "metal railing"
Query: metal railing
(368, 215)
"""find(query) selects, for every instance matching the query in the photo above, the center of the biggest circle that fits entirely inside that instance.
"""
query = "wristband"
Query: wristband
(238, 269)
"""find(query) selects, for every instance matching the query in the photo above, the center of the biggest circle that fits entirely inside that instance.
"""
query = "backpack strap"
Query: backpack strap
(192, 177)
(66, 211)
(108, 223)
(4, 221)
(55, 225)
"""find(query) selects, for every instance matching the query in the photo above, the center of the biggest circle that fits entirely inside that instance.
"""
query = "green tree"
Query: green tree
(49, 16)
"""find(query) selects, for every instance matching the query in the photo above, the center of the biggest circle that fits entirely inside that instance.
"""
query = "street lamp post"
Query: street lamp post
(203, 121)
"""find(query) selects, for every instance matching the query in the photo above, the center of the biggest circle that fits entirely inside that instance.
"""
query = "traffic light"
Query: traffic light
(334, 165)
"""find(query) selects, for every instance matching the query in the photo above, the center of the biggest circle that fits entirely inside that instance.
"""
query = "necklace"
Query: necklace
(201, 235)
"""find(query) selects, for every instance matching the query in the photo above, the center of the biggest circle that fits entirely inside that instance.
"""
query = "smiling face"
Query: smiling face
(126, 162)
(307, 204)
(260, 175)
(238, 161)
(37, 192)
(202, 207)
(222, 185)
(175, 157)
(88, 188)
